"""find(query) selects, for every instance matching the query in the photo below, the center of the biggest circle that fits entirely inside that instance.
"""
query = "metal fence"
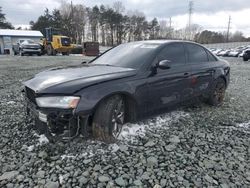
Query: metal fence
(227, 45)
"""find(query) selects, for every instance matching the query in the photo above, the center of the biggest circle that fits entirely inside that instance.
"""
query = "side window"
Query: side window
(196, 54)
(173, 52)
(210, 56)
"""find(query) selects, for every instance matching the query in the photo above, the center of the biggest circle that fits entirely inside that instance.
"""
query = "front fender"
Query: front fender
(90, 97)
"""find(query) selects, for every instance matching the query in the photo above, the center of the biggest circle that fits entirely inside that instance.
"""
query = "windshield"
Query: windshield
(29, 41)
(130, 55)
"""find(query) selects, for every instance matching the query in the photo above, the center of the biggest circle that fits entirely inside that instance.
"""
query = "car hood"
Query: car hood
(71, 79)
(30, 45)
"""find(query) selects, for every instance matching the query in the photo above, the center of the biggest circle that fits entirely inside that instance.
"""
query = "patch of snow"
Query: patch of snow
(67, 156)
(130, 131)
(84, 154)
(76, 55)
(60, 179)
(91, 154)
(11, 102)
(244, 125)
(30, 148)
(113, 147)
(42, 139)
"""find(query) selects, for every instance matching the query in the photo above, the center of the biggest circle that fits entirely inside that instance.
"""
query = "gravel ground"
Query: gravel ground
(198, 146)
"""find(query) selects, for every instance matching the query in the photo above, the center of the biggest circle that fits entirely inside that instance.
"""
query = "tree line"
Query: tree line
(109, 25)
(112, 25)
(4, 24)
(209, 37)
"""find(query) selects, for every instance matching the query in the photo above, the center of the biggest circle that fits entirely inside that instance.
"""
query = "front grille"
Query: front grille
(32, 48)
(30, 94)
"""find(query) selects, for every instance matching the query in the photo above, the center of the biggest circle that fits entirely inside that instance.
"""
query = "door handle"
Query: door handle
(186, 74)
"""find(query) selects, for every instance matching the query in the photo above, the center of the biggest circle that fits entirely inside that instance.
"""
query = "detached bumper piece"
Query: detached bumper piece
(55, 123)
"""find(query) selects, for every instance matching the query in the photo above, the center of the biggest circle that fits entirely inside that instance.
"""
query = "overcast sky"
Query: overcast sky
(210, 14)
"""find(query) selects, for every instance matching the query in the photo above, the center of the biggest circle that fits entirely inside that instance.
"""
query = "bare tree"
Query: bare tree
(94, 17)
(193, 30)
(118, 7)
(75, 18)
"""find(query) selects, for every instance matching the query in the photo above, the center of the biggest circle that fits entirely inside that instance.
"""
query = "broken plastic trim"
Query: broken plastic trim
(58, 123)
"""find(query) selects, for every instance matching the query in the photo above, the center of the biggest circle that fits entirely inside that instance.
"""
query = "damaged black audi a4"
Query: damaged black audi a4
(123, 84)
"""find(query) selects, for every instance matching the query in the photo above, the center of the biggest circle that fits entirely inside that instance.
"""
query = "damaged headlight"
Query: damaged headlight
(65, 102)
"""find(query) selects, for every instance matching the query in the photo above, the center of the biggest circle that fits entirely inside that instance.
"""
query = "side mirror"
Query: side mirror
(164, 64)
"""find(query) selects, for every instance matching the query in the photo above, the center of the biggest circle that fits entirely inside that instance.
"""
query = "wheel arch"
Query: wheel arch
(130, 104)
(223, 75)
(223, 78)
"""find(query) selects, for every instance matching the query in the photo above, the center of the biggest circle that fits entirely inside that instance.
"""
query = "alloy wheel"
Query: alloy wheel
(118, 119)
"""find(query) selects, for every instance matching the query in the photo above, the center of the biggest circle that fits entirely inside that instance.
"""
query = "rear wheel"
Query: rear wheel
(218, 93)
(245, 59)
(65, 53)
(109, 119)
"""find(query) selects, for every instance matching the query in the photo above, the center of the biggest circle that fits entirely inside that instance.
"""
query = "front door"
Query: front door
(170, 86)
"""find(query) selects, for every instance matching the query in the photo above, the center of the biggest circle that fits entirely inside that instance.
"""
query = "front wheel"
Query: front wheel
(109, 119)
(218, 92)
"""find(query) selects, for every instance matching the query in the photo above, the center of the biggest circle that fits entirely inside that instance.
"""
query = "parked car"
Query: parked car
(27, 46)
(223, 53)
(234, 53)
(246, 55)
(242, 53)
(215, 52)
(122, 85)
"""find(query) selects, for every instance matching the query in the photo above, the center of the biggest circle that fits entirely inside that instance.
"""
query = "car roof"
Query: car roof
(157, 41)
(161, 43)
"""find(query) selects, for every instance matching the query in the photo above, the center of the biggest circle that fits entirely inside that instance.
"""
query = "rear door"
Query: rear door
(169, 86)
(202, 65)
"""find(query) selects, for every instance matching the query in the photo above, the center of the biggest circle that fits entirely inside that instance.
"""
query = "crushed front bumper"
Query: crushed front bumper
(31, 50)
(59, 123)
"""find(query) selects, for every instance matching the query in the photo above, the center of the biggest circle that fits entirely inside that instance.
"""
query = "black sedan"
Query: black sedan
(125, 83)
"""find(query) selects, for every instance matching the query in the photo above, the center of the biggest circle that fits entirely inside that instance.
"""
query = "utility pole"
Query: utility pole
(228, 27)
(170, 28)
(190, 12)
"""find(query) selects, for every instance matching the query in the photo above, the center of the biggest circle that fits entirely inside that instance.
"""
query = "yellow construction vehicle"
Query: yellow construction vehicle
(54, 42)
